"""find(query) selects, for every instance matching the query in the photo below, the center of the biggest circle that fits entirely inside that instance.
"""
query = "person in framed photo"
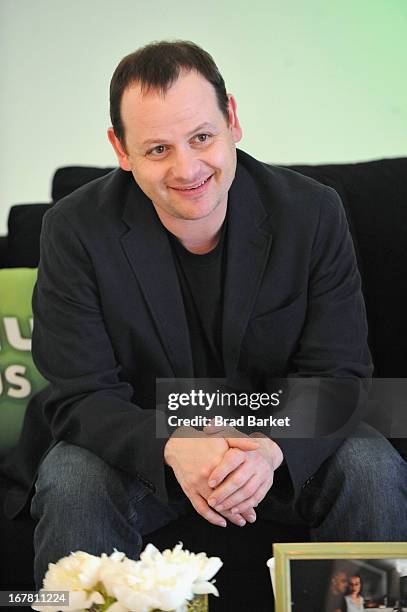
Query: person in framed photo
(338, 585)
(354, 599)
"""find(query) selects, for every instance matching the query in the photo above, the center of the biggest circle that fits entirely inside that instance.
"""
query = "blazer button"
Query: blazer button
(307, 482)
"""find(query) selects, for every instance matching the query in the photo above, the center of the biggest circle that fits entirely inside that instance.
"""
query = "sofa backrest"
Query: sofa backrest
(374, 195)
(66, 180)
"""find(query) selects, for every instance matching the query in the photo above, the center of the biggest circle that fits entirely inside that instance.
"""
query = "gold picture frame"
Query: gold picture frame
(359, 552)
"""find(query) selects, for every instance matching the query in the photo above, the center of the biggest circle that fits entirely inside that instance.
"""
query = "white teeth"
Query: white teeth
(196, 186)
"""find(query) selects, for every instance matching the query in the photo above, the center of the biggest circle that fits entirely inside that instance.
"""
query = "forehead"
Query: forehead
(190, 101)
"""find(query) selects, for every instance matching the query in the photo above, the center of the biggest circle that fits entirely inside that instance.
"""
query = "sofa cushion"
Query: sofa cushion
(20, 379)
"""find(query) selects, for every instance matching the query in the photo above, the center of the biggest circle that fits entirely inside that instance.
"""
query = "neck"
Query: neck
(198, 236)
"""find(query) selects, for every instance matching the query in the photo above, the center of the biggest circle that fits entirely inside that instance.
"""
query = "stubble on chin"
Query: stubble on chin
(191, 214)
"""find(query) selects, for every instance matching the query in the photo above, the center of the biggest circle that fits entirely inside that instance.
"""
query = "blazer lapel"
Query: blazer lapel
(148, 250)
(248, 246)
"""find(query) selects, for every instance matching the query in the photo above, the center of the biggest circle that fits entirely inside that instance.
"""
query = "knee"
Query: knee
(69, 473)
(370, 464)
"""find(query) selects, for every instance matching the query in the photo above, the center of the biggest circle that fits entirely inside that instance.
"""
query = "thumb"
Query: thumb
(234, 437)
(244, 443)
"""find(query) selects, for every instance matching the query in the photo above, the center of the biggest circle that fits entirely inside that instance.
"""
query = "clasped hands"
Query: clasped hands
(224, 473)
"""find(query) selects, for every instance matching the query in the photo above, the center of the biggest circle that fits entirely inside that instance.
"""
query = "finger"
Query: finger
(212, 429)
(254, 500)
(231, 460)
(233, 436)
(246, 444)
(234, 481)
(206, 511)
(245, 492)
(224, 430)
(236, 518)
(249, 515)
(240, 519)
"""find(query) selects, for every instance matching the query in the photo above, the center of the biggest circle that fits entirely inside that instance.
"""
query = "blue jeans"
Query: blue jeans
(81, 503)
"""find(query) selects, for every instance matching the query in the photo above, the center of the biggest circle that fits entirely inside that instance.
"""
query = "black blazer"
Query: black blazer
(109, 317)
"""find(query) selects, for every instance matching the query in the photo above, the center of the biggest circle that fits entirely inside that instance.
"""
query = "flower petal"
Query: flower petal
(200, 588)
(209, 568)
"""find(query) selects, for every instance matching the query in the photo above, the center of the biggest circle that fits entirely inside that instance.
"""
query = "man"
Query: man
(335, 601)
(193, 260)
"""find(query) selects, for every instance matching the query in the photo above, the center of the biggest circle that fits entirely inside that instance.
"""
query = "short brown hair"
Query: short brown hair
(157, 66)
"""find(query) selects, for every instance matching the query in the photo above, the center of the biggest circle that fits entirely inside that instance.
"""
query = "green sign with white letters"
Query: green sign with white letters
(19, 378)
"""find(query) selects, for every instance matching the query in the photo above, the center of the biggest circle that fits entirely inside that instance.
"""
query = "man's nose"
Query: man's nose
(185, 166)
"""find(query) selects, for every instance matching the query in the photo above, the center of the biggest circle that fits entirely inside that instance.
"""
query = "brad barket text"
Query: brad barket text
(219, 421)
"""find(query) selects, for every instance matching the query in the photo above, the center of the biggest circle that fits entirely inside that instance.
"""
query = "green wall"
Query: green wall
(316, 81)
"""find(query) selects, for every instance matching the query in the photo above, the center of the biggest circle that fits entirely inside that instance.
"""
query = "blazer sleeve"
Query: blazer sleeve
(333, 343)
(89, 405)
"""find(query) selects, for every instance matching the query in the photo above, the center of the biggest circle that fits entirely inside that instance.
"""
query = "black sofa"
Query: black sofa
(375, 199)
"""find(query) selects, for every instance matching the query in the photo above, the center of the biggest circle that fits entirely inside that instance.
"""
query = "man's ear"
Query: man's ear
(121, 154)
(234, 124)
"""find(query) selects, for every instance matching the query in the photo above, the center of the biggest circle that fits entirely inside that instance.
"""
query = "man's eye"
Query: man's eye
(202, 137)
(158, 150)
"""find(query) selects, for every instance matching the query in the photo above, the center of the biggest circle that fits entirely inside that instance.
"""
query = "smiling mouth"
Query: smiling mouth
(193, 187)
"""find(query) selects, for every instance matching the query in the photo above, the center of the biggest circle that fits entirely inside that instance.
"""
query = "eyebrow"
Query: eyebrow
(199, 128)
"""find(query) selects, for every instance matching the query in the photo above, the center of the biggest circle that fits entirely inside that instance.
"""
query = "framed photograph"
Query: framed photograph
(340, 577)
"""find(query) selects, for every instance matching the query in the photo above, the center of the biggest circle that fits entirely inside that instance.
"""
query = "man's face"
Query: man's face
(179, 147)
(339, 582)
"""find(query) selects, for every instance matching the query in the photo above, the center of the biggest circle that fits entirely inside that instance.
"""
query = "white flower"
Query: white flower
(154, 582)
(78, 601)
(77, 574)
(208, 568)
(113, 570)
(164, 581)
(117, 607)
(204, 568)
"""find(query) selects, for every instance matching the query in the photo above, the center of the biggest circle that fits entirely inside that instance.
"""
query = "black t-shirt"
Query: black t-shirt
(201, 279)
